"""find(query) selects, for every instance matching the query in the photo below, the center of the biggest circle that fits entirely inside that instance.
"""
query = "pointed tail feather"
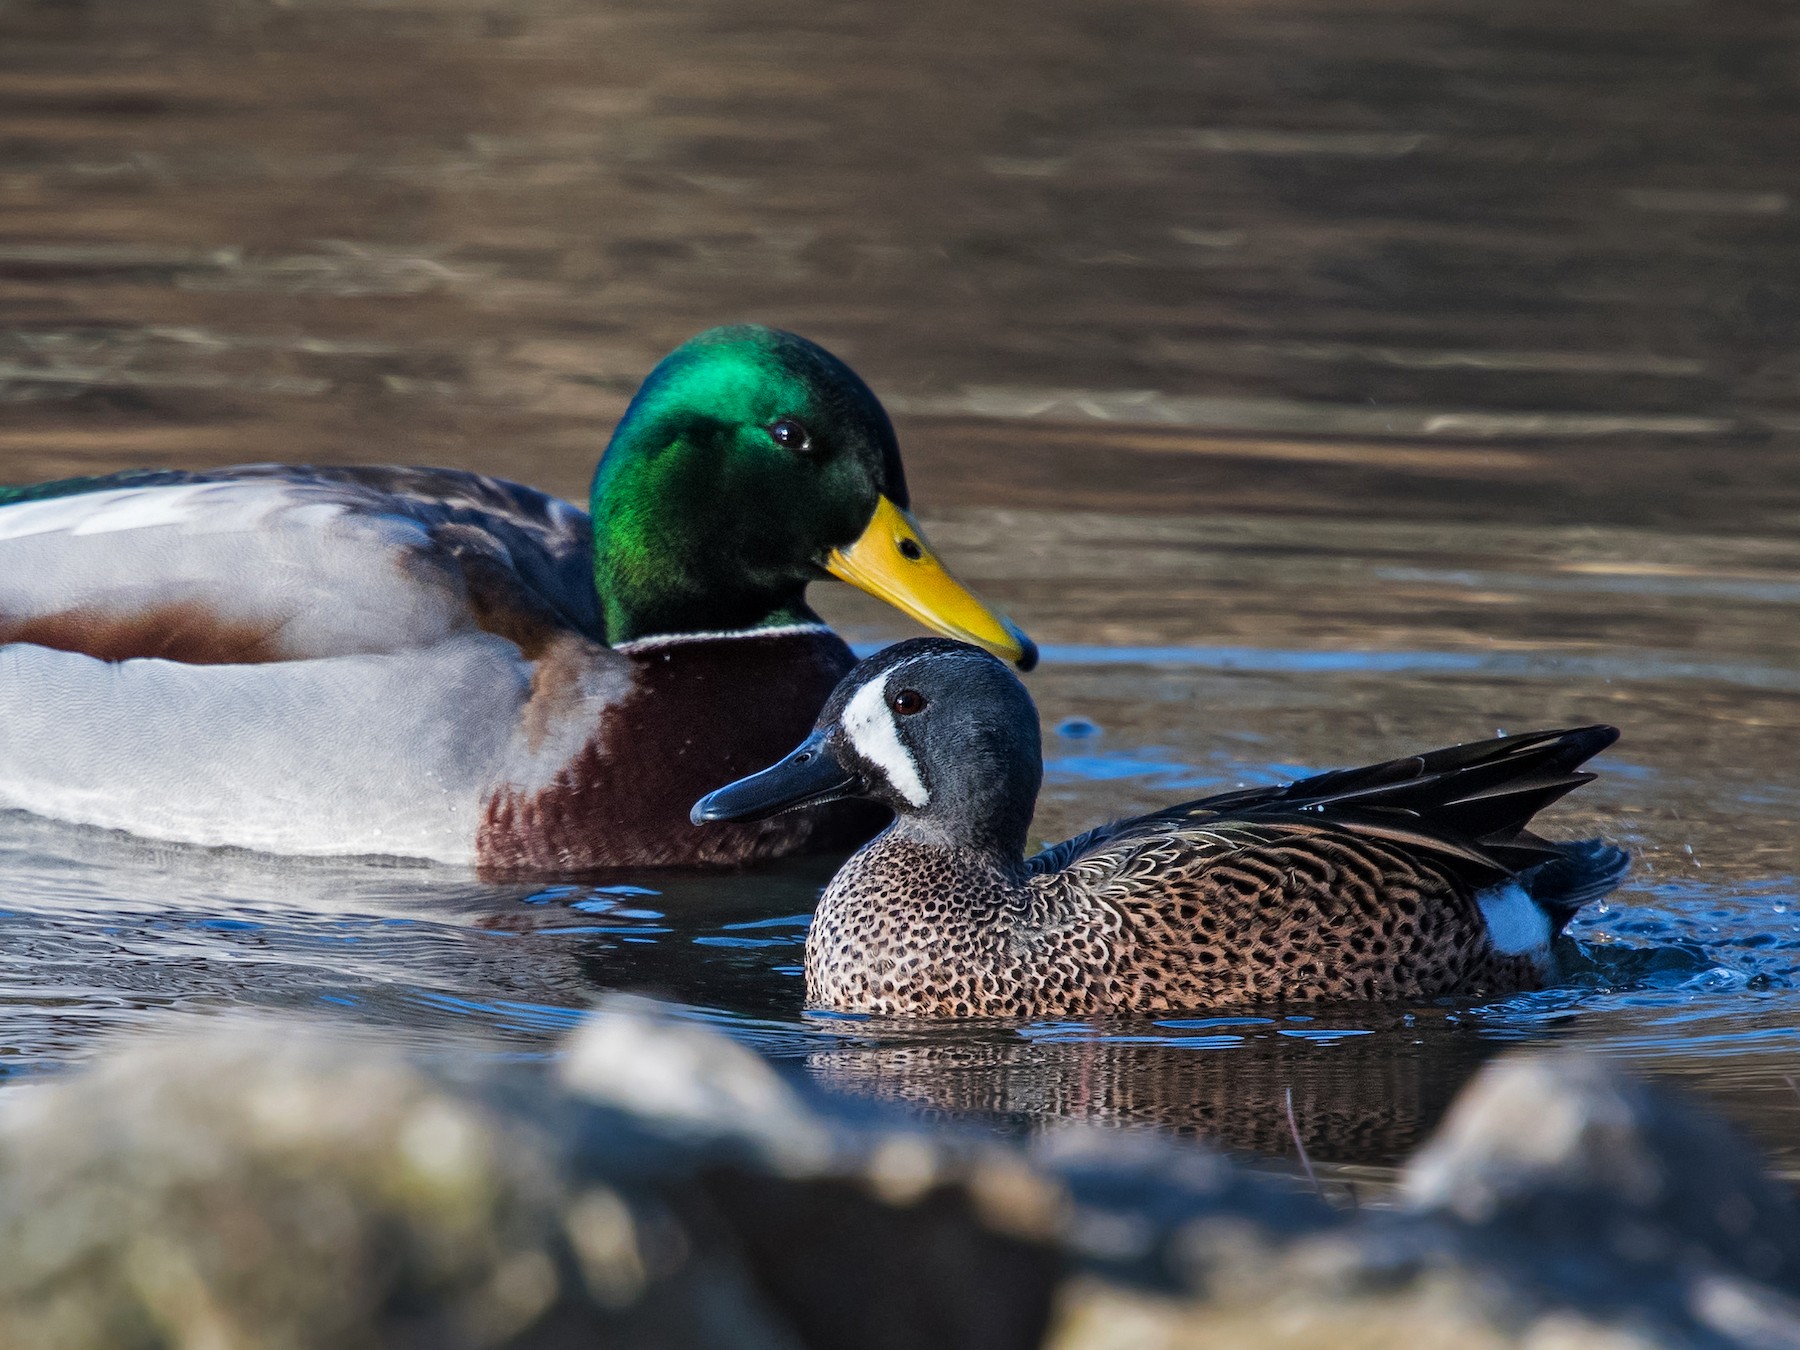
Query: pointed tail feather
(1469, 803)
(1500, 782)
(1583, 871)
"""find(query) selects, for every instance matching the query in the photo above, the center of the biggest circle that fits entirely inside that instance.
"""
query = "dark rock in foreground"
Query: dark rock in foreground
(261, 1186)
(1561, 1206)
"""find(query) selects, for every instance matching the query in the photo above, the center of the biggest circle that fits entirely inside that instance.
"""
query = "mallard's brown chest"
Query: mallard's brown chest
(697, 715)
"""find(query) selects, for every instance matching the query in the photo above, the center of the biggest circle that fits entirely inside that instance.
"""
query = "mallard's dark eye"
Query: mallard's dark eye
(907, 702)
(790, 434)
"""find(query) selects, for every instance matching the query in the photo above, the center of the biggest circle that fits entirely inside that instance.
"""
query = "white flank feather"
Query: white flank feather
(353, 754)
(322, 579)
(1516, 924)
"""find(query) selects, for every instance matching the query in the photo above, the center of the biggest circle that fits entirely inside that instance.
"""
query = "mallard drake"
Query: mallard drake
(1404, 880)
(432, 663)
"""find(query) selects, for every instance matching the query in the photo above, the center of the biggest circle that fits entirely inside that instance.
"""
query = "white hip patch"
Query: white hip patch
(1516, 924)
(870, 725)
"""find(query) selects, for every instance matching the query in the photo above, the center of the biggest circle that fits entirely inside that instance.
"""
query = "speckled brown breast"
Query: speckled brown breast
(906, 929)
(699, 715)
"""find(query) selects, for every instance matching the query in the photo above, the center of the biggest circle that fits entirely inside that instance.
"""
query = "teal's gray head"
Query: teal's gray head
(938, 731)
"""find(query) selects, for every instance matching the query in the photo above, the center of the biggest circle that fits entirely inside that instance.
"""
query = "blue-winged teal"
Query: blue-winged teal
(1402, 880)
(431, 663)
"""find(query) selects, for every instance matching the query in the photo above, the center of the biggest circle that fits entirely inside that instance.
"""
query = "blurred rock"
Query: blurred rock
(260, 1186)
(254, 1186)
(1562, 1205)
(1563, 1154)
(1601, 1192)
(637, 1058)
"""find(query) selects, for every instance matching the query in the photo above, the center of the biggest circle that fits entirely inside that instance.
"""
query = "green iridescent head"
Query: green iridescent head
(751, 463)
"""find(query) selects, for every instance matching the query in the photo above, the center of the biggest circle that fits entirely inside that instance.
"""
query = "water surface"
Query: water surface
(1316, 382)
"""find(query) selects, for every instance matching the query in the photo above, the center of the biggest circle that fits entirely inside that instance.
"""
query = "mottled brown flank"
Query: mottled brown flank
(1199, 918)
(499, 601)
(190, 633)
(699, 715)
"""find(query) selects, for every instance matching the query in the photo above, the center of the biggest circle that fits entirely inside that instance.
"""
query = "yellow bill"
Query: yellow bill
(892, 560)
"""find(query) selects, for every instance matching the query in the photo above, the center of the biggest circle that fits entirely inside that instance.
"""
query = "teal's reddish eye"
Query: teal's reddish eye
(788, 433)
(907, 702)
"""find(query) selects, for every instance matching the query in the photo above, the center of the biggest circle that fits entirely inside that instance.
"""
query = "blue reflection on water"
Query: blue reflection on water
(1635, 665)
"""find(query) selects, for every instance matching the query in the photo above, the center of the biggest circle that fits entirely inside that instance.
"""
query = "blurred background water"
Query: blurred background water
(1316, 379)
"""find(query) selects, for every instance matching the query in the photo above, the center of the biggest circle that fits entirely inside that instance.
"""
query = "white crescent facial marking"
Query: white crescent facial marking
(870, 726)
(1516, 923)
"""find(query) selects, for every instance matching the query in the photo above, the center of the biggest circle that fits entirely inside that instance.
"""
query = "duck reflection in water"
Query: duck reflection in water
(1366, 1089)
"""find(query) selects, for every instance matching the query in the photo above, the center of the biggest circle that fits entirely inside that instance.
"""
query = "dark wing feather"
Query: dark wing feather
(1468, 805)
(1058, 856)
